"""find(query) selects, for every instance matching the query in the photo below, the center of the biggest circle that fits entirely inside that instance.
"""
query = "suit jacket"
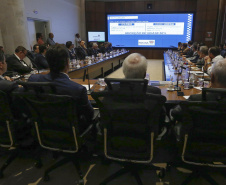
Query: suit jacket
(72, 54)
(41, 62)
(176, 112)
(92, 51)
(14, 64)
(65, 86)
(7, 86)
(81, 53)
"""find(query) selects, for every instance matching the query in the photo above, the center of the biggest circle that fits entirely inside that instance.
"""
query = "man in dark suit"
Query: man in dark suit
(135, 66)
(58, 60)
(218, 80)
(82, 51)
(94, 50)
(15, 62)
(40, 60)
(5, 84)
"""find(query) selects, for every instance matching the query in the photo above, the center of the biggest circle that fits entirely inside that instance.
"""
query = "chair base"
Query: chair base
(62, 162)
(134, 172)
(196, 174)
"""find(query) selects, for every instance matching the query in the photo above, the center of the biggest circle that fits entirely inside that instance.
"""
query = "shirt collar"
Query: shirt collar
(2, 77)
(65, 74)
(17, 57)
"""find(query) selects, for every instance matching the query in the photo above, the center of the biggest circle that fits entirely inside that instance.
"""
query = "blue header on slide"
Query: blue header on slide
(149, 30)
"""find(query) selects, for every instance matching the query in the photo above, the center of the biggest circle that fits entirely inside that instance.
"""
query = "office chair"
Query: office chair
(130, 118)
(56, 123)
(204, 133)
(13, 133)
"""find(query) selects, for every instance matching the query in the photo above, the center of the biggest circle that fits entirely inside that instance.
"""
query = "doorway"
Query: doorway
(37, 26)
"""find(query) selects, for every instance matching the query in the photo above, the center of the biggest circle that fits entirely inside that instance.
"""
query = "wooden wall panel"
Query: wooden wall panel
(205, 19)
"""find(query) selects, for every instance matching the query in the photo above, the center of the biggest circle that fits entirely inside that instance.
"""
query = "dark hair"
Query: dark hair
(42, 48)
(77, 34)
(57, 58)
(215, 50)
(35, 47)
(179, 43)
(68, 44)
(185, 45)
(195, 46)
(38, 35)
(2, 57)
(20, 48)
(190, 42)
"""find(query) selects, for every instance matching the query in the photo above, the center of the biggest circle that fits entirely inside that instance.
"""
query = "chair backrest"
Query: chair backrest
(38, 87)
(55, 119)
(220, 93)
(129, 124)
(6, 119)
(131, 88)
(204, 130)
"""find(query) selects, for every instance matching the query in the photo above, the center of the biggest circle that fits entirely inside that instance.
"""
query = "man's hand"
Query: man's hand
(7, 78)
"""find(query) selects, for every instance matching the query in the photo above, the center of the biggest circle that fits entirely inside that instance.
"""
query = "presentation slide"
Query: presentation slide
(149, 30)
(96, 36)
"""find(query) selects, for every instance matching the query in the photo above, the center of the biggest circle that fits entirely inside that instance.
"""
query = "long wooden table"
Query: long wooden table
(97, 67)
(170, 95)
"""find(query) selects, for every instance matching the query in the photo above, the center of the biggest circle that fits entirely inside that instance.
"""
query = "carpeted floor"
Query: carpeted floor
(155, 70)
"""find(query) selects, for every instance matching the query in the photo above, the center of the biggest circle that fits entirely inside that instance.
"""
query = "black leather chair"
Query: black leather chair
(204, 135)
(130, 118)
(56, 123)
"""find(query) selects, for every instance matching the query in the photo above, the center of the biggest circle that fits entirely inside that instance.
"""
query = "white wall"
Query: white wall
(63, 15)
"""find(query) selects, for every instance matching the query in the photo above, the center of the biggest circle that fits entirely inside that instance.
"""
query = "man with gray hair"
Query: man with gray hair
(218, 80)
(135, 66)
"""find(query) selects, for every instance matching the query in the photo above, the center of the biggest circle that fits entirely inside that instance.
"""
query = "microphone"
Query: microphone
(176, 87)
(84, 77)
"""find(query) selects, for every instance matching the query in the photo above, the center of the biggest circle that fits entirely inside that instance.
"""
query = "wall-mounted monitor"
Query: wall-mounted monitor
(96, 36)
(149, 30)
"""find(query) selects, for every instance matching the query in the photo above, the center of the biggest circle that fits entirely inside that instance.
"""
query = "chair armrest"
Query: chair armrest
(86, 131)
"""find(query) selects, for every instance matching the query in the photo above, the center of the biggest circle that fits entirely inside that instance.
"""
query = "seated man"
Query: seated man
(94, 50)
(218, 80)
(58, 60)
(105, 48)
(185, 49)
(15, 62)
(50, 40)
(71, 50)
(5, 84)
(40, 60)
(195, 55)
(214, 56)
(82, 51)
(190, 51)
(203, 52)
(135, 66)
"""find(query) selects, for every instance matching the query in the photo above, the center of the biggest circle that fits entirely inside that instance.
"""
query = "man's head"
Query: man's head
(2, 49)
(39, 36)
(42, 49)
(214, 51)
(58, 59)
(21, 52)
(51, 35)
(106, 44)
(3, 64)
(195, 47)
(179, 44)
(203, 51)
(135, 66)
(218, 75)
(82, 43)
(69, 45)
(77, 35)
(36, 48)
(184, 45)
(190, 43)
(95, 45)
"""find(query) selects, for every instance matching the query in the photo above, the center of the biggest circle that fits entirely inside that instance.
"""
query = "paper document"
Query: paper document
(199, 88)
(186, 97)
(87, 87)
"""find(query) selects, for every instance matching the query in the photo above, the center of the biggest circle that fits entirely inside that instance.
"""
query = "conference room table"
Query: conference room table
(96, 67)
(171, 96)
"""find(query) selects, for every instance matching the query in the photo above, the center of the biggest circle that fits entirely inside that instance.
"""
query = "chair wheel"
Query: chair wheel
(161, 173)
(1, 175)
(38, 164)
(46, 178)
(81, 182)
